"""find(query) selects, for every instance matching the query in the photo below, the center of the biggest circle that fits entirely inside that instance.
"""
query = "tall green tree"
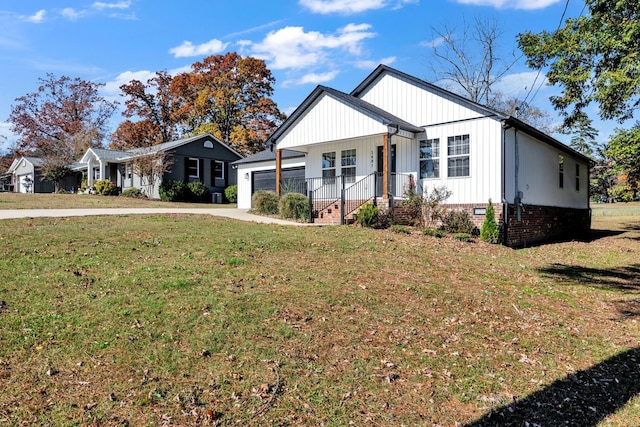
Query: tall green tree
(584, 137)
(624, 151)
(593, 58)
(603, 175)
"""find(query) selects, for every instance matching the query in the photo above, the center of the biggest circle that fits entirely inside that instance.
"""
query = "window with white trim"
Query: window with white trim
(458, 156)
(218, 169)
(128, 170)
(193, 168)
(328, 167)
(430, 158)
(348, 163)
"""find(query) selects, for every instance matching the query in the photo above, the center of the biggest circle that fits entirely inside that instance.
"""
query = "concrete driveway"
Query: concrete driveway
(239, 214)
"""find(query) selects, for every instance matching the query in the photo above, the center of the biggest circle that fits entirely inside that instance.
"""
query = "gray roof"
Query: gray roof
(166, 146)
(120, 156)
(113, 155)
(35, 161)
(269, 155)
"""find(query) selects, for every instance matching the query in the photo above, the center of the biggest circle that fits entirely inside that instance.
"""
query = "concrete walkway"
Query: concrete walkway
(239, 214)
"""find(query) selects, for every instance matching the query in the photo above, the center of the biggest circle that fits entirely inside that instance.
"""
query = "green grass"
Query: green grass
(198, 320)
(73, 201)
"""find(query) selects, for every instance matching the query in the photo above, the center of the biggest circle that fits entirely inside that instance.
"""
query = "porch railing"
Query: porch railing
(358, 194)
(324, 192)
(400, 183)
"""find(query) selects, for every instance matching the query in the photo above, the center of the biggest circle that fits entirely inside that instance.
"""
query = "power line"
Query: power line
(564, 12)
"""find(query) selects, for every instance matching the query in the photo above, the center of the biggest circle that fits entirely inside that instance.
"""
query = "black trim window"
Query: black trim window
(193, 168)
(458, 153)
(561, 170)
(577, 177)
(328, 167)
(348, 162)
(430, 158)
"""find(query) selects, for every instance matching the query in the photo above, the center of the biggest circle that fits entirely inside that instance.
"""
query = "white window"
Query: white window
(96, 174)
(458, 155)
(193, 168)
(128, 170)
(430, 158)
(328, 167)
(218, 169)
(348, 163)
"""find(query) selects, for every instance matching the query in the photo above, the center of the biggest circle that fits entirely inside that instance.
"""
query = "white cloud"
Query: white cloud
(72, 14)
(519, 84)
(36, 18)
(118, 5)
(293, 48)
(313, 78)
(511, 4)
(347, 7)
(111, 88)
(432, 43)
(188, 49)
(370, 64)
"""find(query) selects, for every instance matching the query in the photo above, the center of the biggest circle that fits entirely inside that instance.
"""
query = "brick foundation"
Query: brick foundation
(403, 216)
(543, 223)
(537, 223)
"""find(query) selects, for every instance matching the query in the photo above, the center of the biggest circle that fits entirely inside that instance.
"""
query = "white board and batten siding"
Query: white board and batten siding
(417, 105)
(539, 174)
(245, 171)
(484, 181)
(329, 120)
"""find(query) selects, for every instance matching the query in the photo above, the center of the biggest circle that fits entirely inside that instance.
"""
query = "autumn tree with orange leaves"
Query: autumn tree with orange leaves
(230, 97)
(150, 113)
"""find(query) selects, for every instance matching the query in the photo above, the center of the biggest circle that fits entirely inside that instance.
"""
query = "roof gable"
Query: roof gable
(382, 70)
(172, 145)
(117, 156)
(417, 101)
(356, 105)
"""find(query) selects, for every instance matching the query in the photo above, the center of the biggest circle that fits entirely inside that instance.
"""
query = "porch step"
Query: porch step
(331, 214)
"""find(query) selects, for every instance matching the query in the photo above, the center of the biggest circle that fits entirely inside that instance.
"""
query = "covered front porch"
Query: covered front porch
(341, 176)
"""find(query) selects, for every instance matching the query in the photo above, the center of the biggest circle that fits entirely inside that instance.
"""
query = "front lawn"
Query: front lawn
(199, 320)
(82, 201)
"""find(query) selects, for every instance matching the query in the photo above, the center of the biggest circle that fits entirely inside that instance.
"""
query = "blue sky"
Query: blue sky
(304, 42)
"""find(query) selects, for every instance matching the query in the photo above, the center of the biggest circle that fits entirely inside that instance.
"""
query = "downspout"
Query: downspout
(505, 204)
(518, 196)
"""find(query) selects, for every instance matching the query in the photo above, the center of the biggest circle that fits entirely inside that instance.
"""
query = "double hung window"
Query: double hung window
(430, 158)
(458, 156)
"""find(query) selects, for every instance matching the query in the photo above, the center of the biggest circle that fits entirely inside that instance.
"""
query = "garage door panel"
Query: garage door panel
(293, 178)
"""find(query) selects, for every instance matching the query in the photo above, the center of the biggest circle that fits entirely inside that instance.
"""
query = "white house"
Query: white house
(394, 128)
(25, 176)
